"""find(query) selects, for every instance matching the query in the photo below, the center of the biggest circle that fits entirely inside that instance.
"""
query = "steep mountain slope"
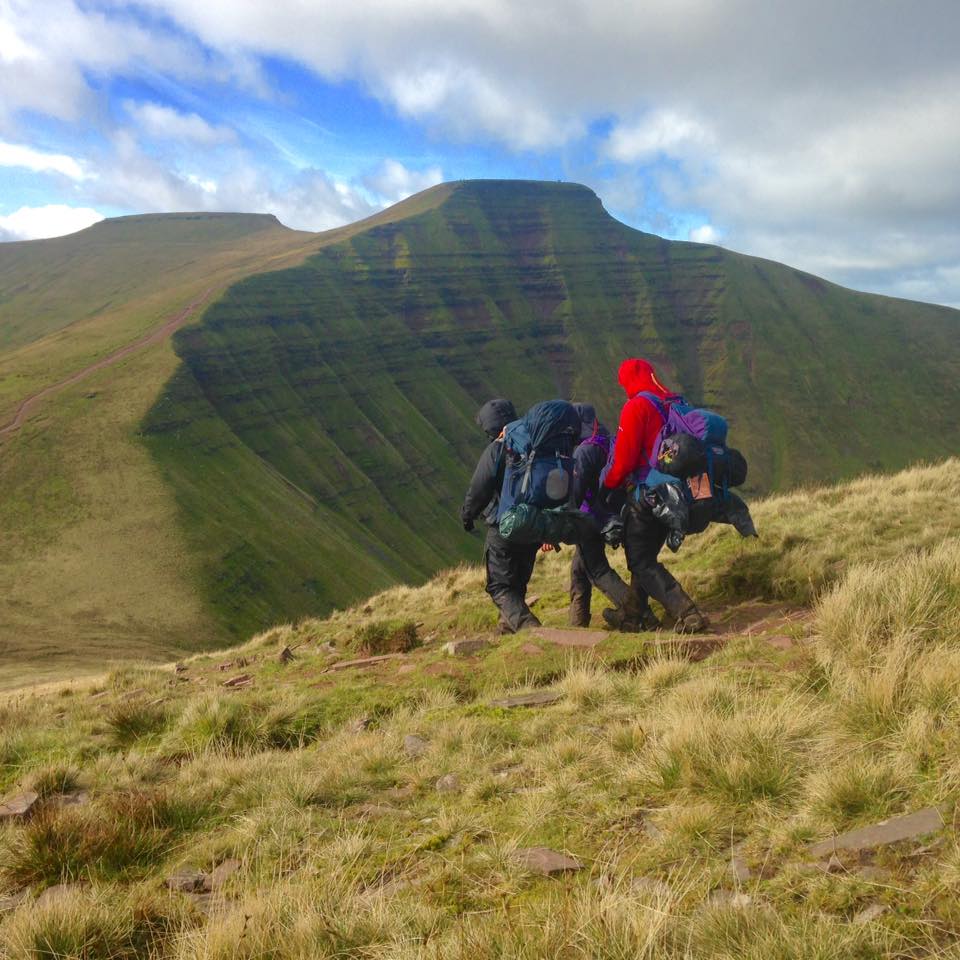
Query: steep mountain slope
(319, 432)
(93, 563)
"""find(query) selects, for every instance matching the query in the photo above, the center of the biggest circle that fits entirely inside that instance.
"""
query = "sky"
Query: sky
(821, 133)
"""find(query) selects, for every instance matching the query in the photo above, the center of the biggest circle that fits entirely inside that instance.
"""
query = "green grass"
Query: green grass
(334, 401)
(306, 444)
(651, 770)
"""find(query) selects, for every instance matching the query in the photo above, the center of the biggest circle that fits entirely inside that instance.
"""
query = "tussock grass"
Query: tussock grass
(96, 923)
(650, 776)
(392, 636)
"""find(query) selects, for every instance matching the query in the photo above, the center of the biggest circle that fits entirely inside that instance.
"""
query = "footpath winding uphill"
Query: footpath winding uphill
(161, 333)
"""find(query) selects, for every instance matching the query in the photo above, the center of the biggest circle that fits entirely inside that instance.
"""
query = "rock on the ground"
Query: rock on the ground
(363, 662)
(570, 638)
(57, 892)
(727, 898)
(187, 880)
(909, 827)
(19, 807)
(415, 746)
(652, 829)
(75, 798)
(870, 913)
(359, 725)
(531, 650)
(739, 868)
(781, 643)
(545, 861)
(465, 648)
(241, 680)
(651, 886)
(448, 784)
(539, 698)
(221, 874)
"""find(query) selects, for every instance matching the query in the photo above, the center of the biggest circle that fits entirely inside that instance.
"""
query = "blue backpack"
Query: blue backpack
(539, 456)
(692, 447)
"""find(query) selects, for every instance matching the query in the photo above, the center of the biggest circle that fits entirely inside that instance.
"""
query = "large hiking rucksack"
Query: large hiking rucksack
(692, 446)
(692, 469)
(538, 449)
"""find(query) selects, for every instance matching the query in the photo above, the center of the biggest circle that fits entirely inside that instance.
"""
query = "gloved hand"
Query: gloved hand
(612, 532)
(468, 525)
(674, 540)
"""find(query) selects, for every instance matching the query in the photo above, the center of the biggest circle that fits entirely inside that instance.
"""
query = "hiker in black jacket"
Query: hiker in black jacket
(590, 567)
(509, 565)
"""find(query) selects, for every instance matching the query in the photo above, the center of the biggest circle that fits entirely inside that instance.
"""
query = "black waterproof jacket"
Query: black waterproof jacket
(483, 495)
(588, 460)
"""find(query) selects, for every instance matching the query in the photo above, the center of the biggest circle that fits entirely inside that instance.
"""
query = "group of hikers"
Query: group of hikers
(557, 476)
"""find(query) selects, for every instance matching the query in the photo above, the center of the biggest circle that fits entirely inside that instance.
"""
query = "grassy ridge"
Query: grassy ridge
(654, 772)
(353, 379)
(308, 443)
(94, 566)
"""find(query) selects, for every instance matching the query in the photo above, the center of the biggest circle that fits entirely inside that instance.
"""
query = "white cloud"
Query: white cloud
(816, 131)
(52, 50)
(51, 220)
(392, 181)
(130, 178)
(165, 123)
(663, 132)
(17, 155)
(12, 46)
(706, 233)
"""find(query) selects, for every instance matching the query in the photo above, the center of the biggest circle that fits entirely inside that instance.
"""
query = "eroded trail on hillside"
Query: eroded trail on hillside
(161, 333)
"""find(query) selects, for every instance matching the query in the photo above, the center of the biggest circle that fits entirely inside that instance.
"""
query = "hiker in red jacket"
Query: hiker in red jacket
(644, 535)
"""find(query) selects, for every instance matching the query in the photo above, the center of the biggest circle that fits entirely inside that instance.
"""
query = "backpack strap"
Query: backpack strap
(656, 401)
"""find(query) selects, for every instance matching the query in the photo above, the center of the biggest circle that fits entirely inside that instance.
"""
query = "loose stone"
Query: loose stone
(547, 862)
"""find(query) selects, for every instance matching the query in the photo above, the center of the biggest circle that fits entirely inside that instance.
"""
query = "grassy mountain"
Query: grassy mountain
(383, 811)
(319, 432)
(92, 561)
(307, 440)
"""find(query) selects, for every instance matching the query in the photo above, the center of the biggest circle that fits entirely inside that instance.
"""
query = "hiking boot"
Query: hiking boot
(618, 619)
(579, 613)
(692, 622)
(688, 618)
(649, 620)
(528, 621)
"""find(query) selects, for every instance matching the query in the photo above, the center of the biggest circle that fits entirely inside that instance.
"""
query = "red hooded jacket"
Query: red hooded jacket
(640, 421)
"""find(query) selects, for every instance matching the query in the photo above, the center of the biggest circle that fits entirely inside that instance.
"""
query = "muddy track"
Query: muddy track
(147, 340)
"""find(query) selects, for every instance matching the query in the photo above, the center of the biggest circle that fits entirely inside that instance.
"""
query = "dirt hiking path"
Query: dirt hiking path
(147, 340)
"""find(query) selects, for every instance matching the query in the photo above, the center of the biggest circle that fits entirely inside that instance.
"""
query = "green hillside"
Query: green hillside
(783, 789)
(319, 432)
(92, 562)
(94, 566)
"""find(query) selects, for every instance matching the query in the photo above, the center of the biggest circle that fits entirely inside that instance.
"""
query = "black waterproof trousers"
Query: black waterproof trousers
(590, 568)
(509, 568)
(643, 539)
